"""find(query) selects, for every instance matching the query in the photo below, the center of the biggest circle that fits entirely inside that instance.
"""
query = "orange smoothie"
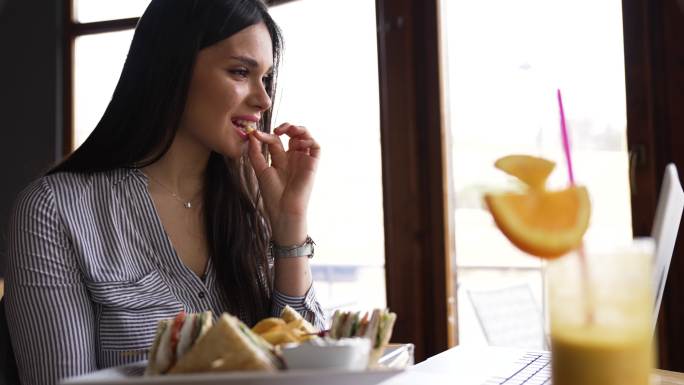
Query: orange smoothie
(599, 291)
(601, 320)
(596, 356)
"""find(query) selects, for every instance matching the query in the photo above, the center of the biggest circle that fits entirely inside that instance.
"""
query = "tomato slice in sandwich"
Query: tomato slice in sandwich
(175, 331)
(363, 325)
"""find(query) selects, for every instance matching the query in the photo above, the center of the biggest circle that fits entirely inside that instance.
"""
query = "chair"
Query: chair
(665, 228)
(509, 316)
(8, 365)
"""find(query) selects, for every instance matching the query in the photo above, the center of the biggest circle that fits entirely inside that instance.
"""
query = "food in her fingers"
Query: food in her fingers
(250, 127)
(247, 126)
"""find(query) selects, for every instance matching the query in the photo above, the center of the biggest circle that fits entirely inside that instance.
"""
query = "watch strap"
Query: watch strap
(306, 249)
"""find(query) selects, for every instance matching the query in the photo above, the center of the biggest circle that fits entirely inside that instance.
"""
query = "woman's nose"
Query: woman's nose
(260, 97)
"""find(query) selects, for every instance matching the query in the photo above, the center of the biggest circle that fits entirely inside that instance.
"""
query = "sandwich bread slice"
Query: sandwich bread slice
(383, 333)
(378, 329)
(229, 345)
(174, 338)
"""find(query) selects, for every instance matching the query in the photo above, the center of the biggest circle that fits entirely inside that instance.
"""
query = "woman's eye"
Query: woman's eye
(240, 72)
(267, 79)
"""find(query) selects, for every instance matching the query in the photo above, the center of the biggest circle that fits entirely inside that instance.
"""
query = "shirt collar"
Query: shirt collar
(121, 174)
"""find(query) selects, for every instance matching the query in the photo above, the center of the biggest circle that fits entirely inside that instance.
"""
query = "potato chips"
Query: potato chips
(276, 331)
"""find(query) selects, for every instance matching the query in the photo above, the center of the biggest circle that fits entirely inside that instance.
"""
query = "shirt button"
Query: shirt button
(201, 294)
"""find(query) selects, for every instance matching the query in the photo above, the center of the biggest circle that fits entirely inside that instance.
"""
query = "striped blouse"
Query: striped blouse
(91, 271)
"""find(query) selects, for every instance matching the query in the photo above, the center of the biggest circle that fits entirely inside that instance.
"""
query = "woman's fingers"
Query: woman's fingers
(259, 163)
(300, 144)
(300, 141)
(275, 146)
(315, 150)
(309, 146)
(292, 131)
(273, 141)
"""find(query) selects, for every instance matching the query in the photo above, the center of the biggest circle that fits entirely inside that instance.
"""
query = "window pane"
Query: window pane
(329, 83)
(505, 61)
(86, 11)
(98, 60)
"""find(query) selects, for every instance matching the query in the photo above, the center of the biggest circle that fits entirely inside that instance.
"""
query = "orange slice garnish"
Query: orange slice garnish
(532, 170)
(546, 224)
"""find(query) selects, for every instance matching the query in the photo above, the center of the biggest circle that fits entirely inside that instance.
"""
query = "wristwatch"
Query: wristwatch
(306, 249)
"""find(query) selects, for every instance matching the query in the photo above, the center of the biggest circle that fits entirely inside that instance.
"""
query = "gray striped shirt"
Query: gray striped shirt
(91, 271)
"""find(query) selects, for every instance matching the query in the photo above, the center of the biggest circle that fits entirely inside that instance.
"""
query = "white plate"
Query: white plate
(396, 357)
(132, 374)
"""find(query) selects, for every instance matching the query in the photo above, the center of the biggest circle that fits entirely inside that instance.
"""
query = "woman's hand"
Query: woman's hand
(287, 182)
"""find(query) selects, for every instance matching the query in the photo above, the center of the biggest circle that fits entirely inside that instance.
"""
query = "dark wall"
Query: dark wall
(30, 97)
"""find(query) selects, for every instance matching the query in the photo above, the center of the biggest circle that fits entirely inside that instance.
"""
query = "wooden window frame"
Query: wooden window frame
(654, 70)
(419, 242)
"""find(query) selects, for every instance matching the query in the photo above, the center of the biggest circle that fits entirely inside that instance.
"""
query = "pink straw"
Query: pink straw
(589, 316)
(566, 141)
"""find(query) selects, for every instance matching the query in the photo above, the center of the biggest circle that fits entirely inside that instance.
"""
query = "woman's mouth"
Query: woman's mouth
(245, 127)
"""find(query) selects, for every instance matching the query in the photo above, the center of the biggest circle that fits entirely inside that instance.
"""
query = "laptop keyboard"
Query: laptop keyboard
(534, 368)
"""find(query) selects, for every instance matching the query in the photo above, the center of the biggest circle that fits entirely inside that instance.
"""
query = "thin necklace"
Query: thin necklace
(186, 203)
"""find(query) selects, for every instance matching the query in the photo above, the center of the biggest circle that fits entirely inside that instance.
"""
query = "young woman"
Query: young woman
(170, 204)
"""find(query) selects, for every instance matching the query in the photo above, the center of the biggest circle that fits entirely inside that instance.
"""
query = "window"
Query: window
(505, 61)
(96, 71)
(97, 38)
(328, 82)
(89, 11)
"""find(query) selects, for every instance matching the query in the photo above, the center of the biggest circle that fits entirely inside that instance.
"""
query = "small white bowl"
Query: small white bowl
(344, 354)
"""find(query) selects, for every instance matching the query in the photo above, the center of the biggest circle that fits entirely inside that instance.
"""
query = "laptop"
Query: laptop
(665, 228)
(512, 366)
(480, 365)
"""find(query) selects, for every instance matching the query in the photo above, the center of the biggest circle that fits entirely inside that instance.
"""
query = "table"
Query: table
(464, 365)
(666, 377)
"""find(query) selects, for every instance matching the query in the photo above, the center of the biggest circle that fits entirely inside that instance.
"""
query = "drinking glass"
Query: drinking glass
(600, 309)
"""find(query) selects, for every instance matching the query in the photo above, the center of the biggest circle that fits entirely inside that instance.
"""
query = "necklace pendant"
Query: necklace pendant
(187, 205)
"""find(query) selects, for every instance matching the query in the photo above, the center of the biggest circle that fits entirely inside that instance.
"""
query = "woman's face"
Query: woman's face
(227, 90)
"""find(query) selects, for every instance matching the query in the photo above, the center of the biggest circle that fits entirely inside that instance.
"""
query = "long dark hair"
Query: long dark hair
(143, 116)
